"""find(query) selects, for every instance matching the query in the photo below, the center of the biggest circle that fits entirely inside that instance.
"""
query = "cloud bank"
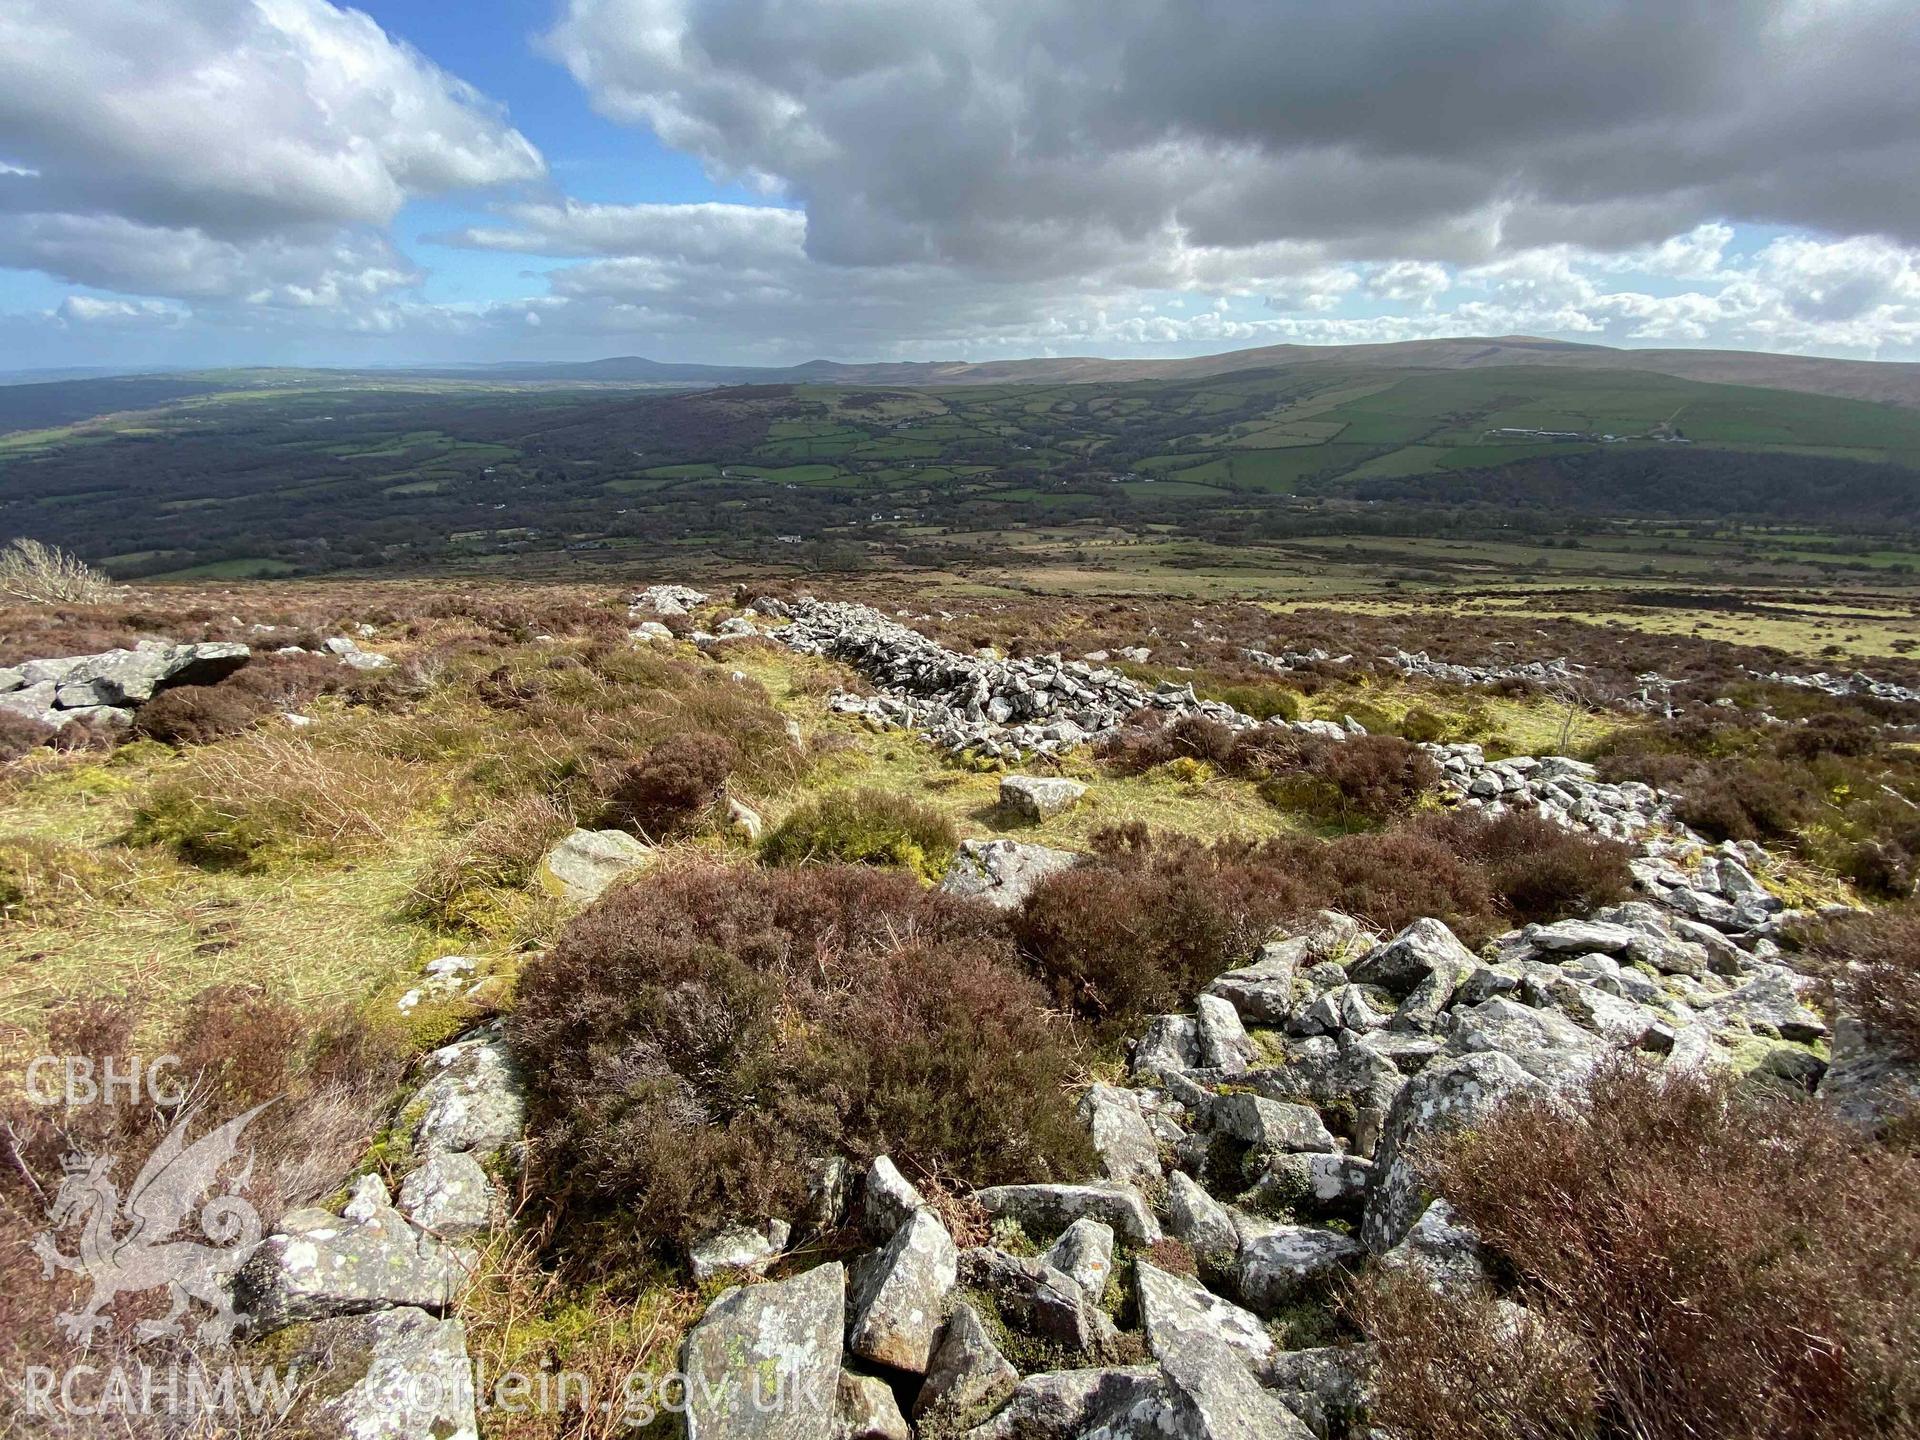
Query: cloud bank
(996, 177)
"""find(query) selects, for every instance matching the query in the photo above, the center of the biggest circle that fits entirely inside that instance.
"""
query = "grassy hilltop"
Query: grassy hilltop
(261, 897)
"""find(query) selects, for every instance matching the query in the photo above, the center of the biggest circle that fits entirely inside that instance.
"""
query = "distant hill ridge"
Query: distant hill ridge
(1887, 382)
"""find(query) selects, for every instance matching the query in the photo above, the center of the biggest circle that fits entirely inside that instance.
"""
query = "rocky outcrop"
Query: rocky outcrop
(106, 689)
(369, 1258)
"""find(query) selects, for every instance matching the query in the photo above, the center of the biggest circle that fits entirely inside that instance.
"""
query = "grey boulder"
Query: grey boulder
(902, 1295)
(764, 1361)
(1039, 797)
(586, 863)
(1002, 872)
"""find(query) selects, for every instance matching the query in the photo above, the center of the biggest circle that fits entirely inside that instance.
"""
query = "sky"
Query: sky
(214, 182)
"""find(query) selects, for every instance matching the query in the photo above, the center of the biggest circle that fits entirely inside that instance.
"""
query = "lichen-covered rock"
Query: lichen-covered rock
(1170, 1046)
(967, 1377)
(398, 1374)
(1289, 1261)
(764, 1361)
(1409, 957)
(887, 1199)
(1109, 1404)
(1267, 1127)
(581, 867)
(1215, 1398)
(1868, 1082)
(1174, 1306)
(1084, 1253)
(1202, 1221)
(1263, 991)
(1544, 1043)
(902, 1295)
(1448, 1095)
(1440, 1251)
(1039, 797)
(1002, 872)
(1046, 1210)
(1222, 1041)
(745, 1248)
(130, 677)
(473, 1100)
(449, 1194)
(319, 1265)
(1122, 1138)
(1321, 1386)
(1030, 1295)
(1327, 1183)
(864, 1409)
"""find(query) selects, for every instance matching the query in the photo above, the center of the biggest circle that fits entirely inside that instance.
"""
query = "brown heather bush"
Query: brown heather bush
(20, 735)
(1365, 780)
(198, 714)
(1454, 1367)
(694, 1042)
(1152, 918)
(674, 787)
(1538, 870)
(1872, 962)
(1842, 794)
(1734, 1264)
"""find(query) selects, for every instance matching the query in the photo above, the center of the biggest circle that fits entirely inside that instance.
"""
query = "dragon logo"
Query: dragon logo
(146, 1254)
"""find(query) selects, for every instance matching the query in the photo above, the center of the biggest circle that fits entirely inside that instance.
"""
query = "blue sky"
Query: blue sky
(192, 182)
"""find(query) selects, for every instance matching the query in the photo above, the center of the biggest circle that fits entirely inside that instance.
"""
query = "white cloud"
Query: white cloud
(251, 150)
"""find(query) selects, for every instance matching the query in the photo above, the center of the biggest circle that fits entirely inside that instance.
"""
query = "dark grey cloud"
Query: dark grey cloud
(1025, 134)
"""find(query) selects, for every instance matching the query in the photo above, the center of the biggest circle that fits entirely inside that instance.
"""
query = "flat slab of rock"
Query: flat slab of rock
(449, 1194)
(764, 1361)
(1046, 1210)
(1173, 1307)
(1002, 872)
(319, 1265)
(130, 677)
(473, 1102)
(1039, 797)
(584, 864)
(392, 1375)
(1121, 1136)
